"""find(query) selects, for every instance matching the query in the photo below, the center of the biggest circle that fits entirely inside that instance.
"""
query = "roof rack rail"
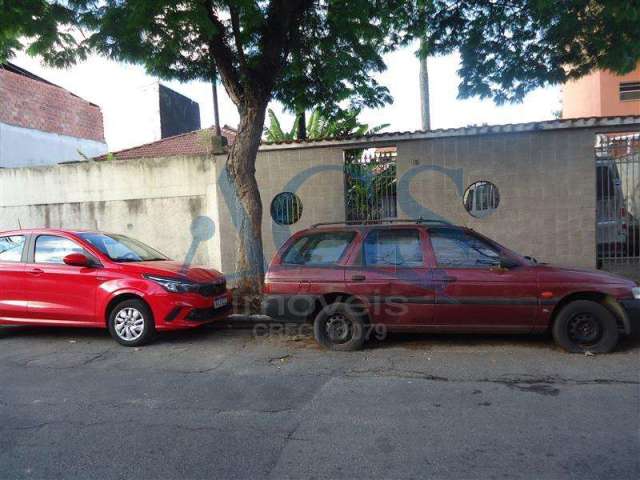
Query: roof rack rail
(384, 220)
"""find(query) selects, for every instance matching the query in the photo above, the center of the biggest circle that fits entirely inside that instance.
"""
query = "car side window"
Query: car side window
(53, 249)
(393, 247)
(318, 249)
(11, 248)
(458, 249)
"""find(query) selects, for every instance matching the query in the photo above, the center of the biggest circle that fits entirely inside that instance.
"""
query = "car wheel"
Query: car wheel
(340, 327)
(131, 323)
(585, 326)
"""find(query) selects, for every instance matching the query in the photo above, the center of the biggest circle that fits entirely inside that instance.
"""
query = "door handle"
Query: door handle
(36, 271)
(448, 279)
(358, 278)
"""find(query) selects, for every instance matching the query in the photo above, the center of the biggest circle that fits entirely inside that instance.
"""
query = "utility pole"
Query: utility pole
(424, 93)
(216, 114)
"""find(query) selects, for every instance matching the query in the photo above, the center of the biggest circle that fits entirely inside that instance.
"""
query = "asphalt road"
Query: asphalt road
(225, 404)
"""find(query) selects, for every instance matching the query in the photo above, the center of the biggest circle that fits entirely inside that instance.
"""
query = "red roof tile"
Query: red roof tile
(193, 143)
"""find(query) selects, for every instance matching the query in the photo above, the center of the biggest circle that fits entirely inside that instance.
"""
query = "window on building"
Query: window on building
(393, 248)
(52, 249)
(11, 248)
(286, 208)
(455, 248)
(481, 199)
(630, 91)
(319, 249)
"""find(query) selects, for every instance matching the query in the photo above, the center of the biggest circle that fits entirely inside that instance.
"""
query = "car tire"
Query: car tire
(585, 326)
(131, 323)
(340, 327)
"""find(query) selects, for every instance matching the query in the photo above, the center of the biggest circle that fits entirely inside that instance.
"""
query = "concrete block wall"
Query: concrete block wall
(546, 182)
(314, 175)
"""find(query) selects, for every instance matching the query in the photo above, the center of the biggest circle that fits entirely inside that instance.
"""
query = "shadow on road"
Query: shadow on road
(413, 341)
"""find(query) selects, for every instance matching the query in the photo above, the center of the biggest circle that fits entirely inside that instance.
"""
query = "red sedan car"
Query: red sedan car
(435, 277)
(92, 279)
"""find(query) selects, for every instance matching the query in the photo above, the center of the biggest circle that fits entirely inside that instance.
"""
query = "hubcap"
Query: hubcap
(129, 324)
(339, 329)
(584, 329)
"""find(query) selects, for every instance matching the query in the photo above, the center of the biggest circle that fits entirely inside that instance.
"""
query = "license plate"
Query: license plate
(220, 302)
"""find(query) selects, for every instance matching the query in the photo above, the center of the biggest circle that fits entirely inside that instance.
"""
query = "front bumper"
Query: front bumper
(200, 315)
(632, 310)
(179, 311)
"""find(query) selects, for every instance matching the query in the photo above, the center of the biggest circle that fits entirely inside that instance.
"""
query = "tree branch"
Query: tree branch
(235, 26)
(223, 56)
(282, 20)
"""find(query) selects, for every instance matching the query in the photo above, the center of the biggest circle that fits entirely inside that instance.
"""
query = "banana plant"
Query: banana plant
(320, 126)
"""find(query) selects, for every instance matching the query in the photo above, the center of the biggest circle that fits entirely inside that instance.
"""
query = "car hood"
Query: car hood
(173, 269)
(582, 275)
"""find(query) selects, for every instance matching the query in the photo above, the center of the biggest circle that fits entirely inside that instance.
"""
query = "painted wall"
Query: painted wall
(581, 97)
(178, 114)
(154, 200)
(610, 93)
(24, 147)
(598, 94)
(147, 114)
(133, 118)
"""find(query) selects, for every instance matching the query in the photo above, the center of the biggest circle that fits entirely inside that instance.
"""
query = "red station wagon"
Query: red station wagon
(91, 279)
(435, 277)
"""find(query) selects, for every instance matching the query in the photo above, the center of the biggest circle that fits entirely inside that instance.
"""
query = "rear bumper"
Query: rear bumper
(297, 308)
(632, 310)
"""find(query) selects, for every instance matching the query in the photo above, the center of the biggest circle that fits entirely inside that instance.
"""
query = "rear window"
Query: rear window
(318, 249)
(53, 249)
(11, 248)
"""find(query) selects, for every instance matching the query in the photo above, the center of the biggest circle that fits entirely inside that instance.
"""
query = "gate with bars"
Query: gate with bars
(618, 204)
(370, 184)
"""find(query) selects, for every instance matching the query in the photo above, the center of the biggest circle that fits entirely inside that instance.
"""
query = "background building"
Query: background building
(149, 114)
(602, 94)
(42, 123)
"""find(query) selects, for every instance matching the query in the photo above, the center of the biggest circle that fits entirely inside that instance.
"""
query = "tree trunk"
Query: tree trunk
(301, 134)
(241, 169)
(424, 94)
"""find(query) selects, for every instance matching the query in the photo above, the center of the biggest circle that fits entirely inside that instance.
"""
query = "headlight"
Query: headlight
(173, 285)
(636, 293)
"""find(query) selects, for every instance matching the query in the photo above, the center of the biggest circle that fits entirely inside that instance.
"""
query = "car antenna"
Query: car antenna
(19, 224)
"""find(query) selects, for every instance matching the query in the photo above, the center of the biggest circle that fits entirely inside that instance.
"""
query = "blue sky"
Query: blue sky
(102, 81)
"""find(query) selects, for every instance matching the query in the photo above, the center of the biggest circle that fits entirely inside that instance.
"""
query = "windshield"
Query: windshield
(122, 249)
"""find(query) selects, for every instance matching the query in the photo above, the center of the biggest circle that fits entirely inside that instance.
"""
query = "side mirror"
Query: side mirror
(77, 260)
(508, 263)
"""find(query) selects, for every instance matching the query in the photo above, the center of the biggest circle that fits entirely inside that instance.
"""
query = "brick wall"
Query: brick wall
(34, 104)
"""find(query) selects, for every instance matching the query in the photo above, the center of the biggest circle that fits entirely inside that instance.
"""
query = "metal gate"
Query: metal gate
(618, 203)
(370, 184)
